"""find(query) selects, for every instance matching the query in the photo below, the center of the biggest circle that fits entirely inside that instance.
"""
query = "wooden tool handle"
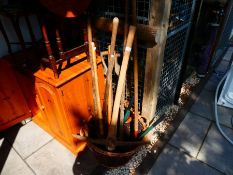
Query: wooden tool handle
(126, 21)
(109, 81)
(135, 61)
(89, 37)
(113, 127)
(99, 108)
(122, 102)
(114, 34)
(95, 86)
(108, 87)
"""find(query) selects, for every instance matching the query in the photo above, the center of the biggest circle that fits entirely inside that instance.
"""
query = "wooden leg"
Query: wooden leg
(49, 51)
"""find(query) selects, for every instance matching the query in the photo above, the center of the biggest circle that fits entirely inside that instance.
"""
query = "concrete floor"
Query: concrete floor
(30, 150)
(196, 148)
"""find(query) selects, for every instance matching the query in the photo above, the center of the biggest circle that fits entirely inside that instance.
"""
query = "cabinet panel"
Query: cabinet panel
(77, 98)
(51, 111)
(76, 101)
(12, 102)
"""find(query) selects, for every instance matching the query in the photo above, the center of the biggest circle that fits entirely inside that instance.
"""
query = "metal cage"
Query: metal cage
(179, 24)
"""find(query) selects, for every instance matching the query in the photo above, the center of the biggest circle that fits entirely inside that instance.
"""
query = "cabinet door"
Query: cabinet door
(12, 102)
(78, 99)
(51, 109)
(75, 99)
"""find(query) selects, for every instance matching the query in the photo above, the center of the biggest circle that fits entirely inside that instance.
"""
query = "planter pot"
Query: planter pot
(112, 159)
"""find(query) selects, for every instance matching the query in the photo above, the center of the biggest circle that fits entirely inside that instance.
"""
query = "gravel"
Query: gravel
(170, 114)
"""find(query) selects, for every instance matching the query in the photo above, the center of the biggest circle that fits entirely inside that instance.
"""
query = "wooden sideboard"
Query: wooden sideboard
(13, 106)
(66, 103)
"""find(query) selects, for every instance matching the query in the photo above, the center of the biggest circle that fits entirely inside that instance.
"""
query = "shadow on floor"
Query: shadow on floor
(5, 146)
(85, 163)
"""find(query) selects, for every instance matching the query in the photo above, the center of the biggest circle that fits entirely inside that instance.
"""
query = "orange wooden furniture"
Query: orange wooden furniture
(13, 107)
(66, 103)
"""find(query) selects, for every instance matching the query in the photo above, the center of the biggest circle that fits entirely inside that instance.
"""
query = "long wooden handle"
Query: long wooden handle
(99, 108)
(113, 127)
(122, 103)
(126, 25)
(114, 35)
(110, 95)
(95, 86)
(108, 87)
(89, 36)
(135, 61)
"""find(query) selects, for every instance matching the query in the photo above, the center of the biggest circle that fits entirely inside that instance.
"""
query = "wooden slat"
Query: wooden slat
(146, 34)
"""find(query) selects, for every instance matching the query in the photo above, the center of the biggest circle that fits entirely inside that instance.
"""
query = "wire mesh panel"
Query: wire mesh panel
(171, 69)
(179, 23)
(116, 8)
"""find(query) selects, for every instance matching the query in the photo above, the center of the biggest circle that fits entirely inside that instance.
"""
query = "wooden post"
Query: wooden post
(159, 17)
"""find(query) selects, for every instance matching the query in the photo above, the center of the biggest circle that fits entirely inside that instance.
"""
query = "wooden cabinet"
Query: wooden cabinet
(66, 103)
(13, 107)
